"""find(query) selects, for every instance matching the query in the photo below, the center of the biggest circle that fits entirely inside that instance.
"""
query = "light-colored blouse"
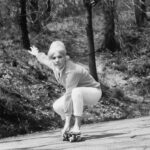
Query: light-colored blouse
(71, 76)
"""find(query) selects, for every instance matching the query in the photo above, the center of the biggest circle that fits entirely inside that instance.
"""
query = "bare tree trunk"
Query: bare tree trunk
(1, 21)
(89, 30)
(47, 12)
(140, 12)
(23, 25)
(34, 15)
(48, 6)
(110, 41)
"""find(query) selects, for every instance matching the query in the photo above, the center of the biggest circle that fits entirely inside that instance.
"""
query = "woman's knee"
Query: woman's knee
(76, 93)
(56, 106)
(58, 109)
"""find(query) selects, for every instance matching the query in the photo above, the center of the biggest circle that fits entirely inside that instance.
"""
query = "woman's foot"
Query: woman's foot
(65, 129)
(67, 125)
(77, 124)
(75, 129)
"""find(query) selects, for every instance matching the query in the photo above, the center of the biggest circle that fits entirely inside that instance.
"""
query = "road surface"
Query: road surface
(128, 134)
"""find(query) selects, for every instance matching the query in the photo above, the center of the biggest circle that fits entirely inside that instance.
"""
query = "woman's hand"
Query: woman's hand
(34, 51)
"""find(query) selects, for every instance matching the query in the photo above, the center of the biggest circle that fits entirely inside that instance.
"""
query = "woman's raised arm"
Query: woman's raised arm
(41, 57)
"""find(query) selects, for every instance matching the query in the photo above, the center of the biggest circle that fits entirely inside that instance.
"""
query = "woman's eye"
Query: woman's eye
(58, 57)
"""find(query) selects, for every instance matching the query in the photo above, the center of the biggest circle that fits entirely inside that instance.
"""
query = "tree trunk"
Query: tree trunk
(110, 41)
(1, 20)
(36, 26)
(140, 12)
(23, 25)
(89, 30)
(48, 10)
(46, 15)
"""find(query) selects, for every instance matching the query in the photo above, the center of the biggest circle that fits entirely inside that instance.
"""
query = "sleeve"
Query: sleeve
(43, 59)
(72, 81)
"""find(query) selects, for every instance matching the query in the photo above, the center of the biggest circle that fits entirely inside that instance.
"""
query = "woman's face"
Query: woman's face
(58, 60)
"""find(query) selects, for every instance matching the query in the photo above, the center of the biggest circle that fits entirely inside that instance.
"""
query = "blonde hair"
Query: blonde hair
(57, 46)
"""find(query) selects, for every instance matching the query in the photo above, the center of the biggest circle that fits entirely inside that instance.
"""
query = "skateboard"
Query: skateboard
(72, 137)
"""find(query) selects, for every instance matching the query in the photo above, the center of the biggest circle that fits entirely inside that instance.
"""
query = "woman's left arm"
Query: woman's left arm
(41, 57)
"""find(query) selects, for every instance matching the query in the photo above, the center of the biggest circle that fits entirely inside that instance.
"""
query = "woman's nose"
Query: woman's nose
(56, 59)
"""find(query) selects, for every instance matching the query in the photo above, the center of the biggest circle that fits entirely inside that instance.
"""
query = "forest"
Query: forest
(109, 37)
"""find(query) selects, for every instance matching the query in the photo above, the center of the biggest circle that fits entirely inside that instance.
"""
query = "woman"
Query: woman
(81, 88)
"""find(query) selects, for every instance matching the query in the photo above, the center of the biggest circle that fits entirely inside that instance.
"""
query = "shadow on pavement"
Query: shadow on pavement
(86, 137)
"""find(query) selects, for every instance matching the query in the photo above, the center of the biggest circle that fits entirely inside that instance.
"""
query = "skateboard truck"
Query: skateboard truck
(72, 137)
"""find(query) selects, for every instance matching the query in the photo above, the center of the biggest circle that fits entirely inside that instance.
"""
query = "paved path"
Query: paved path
(129, 134)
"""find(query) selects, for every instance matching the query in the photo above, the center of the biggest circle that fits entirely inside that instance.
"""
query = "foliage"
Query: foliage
(26, 95)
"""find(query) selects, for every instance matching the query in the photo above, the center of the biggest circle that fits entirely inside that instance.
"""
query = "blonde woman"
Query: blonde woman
(81, 87)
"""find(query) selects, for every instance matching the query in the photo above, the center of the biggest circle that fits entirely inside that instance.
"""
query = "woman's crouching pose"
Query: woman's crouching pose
(81, 87)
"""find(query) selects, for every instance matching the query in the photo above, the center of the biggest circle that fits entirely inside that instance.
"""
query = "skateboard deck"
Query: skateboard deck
(72, 137)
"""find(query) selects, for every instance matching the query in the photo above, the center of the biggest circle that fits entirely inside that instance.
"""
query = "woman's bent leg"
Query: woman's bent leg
(83, 96)
(58, 107)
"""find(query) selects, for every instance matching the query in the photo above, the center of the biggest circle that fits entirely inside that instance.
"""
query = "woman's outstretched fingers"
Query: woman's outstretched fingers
(34, 51)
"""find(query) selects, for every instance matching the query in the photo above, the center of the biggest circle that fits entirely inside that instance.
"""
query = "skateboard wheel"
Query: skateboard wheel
(65, 137)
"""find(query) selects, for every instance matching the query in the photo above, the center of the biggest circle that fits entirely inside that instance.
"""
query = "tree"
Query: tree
(34, 11)
(48, 9)
(89, 30)
(110, 41)
(47, 12)
(1, 21)
(23, 25)
(140, 12)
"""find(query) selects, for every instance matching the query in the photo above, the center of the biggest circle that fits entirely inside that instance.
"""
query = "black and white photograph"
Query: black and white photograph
(74, 74)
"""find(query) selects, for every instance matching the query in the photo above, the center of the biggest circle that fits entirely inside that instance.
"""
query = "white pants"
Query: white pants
(81, 96)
